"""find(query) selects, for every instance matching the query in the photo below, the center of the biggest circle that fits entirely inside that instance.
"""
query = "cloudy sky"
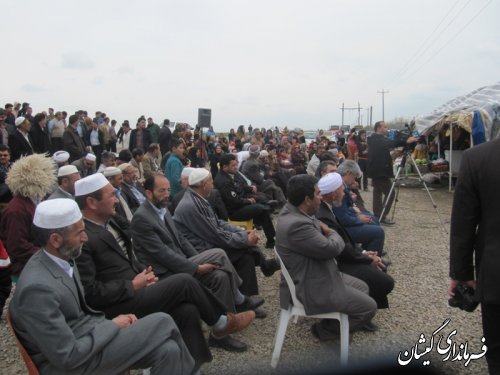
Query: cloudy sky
(265, 63)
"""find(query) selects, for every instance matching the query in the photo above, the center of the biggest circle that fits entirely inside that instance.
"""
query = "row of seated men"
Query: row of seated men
(115, 286)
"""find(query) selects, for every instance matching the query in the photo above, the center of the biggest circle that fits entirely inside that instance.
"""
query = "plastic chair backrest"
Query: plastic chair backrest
(289, 281)
(30, 365)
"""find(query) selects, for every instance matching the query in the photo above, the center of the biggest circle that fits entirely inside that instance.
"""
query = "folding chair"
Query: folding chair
(30, 366)
(246, 224)
(297, 309)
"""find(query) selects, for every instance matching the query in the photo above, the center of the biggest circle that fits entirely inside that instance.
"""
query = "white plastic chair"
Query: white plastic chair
(297, 309)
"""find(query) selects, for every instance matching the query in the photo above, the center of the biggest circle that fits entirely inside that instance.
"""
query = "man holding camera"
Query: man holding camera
(379, 168)
(474, 241)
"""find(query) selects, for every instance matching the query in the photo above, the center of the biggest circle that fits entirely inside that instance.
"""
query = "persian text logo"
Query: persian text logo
(452, 352)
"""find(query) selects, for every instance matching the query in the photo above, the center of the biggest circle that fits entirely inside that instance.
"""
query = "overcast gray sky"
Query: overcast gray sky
(268, 63)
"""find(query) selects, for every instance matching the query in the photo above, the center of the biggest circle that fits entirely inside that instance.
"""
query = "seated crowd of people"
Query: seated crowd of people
(121, 242)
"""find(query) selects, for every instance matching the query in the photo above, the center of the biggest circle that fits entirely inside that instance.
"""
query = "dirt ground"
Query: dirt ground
(418, 248)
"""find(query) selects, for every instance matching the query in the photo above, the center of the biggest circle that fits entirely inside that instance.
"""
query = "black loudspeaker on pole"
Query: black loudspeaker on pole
(204, 117)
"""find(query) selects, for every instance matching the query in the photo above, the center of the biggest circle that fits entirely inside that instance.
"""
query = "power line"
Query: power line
(448, 41)
(402, 70)
(438, 37)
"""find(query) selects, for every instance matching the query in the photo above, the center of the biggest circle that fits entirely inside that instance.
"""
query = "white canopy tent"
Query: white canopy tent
(459, 112)
(485, 99)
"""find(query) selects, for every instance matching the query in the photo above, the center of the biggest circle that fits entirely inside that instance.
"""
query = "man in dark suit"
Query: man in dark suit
(20, 141)
(475, 239)
(379, 168)
(308, 248)
(159, 244)
(61, 333)
(72, 142)
(116, 282)
(240, 198)
(353, 260)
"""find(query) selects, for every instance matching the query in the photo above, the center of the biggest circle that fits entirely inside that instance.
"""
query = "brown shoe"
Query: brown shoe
(236, 323)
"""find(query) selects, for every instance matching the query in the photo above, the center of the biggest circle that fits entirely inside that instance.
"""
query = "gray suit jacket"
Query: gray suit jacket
(158, 244)
(198, 223)
(59, 193)
(57, 328)
(309, 258)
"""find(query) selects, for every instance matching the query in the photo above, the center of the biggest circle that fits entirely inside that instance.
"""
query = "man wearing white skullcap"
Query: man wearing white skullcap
(363, 264)
(86, 165)
(61, 157)
(20, 141)
(51, 316)
(308, 248)
(198, 223)
(363, 227)
(67, 175)
(116, 282)
(159, 244)
(123, 212)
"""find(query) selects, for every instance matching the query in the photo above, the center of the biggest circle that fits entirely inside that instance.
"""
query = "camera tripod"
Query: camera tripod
(396, 184)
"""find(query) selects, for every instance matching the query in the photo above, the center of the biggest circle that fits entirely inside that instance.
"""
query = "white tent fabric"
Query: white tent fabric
(485, 99)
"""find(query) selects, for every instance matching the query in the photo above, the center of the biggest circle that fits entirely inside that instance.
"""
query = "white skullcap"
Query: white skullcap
(198, 175)
(111, 171)
(90, 184)
(187, 171)
(60, 156)
(90, 157)
(264, 154)
(20, 120)
(56, 213)
(329, 183)
(124, 166)
(66, 170)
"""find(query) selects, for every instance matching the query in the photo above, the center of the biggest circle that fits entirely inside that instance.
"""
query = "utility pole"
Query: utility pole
(358, 108)
(383, 97)
(342, 114)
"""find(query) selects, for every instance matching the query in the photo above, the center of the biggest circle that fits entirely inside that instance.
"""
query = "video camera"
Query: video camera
(464, 298)
(403, 134)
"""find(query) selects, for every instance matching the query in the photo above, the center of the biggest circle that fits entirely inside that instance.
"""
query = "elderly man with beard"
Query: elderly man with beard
(158, 244)
(353, 260)
(62, 333)
(117, 283)
(197, 221)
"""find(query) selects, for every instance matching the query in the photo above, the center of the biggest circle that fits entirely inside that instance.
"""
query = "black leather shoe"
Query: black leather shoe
(227, 343)
(260, 313)
(269, 266)
(387, 221)
(370, 327)
(250, 303)
(273, 204)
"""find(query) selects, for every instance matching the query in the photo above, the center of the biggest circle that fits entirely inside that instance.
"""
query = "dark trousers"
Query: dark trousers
(260, 214)
(112, 146)
(370, 236)
(380, 283)
(186, 300)
(5, 286)
(244, 261)
(363, 163)
(381, 188)
(491, 329)
(97, 150)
